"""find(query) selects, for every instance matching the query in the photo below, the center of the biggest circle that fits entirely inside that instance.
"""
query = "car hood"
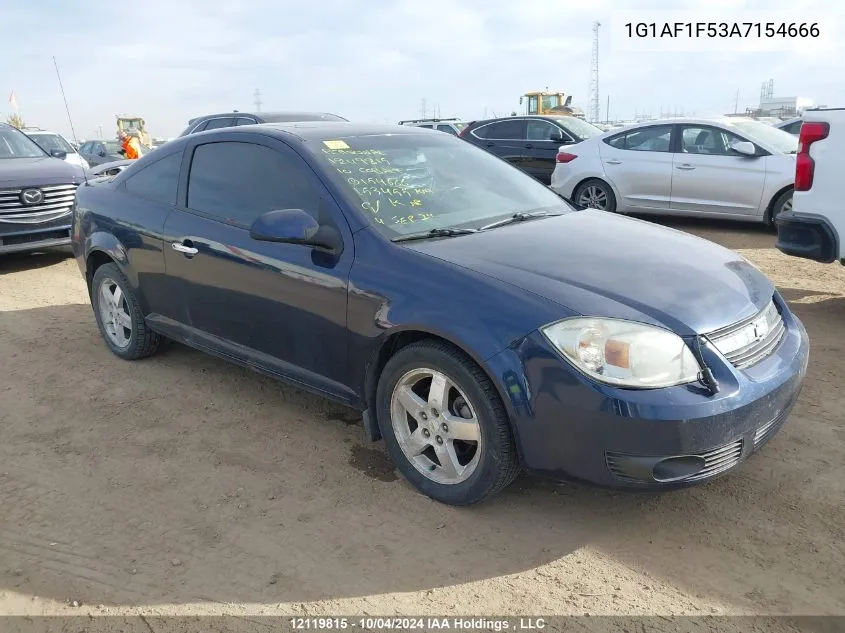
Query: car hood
(37, 171)
(599, 264)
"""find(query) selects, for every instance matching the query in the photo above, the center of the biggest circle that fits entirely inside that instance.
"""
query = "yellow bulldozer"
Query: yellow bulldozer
(549, 103)
(132, 122)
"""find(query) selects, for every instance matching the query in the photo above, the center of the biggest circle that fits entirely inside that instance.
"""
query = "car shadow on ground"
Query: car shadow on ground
(182, 478)
(17, 262)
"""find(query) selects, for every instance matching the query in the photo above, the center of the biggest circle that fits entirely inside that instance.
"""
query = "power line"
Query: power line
(67, 109)
(594, 75)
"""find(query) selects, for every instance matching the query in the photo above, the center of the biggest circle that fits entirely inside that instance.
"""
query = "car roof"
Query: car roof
(261, 115)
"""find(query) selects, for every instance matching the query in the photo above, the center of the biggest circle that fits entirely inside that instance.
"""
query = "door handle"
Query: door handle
(490, 144)
(685, 166)
(529, 146)
(184, 247)
(613, 161)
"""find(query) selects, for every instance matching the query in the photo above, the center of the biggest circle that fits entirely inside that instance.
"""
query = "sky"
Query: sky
(377, 60)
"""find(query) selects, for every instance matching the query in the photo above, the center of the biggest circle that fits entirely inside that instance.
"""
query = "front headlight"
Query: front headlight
(624, 353)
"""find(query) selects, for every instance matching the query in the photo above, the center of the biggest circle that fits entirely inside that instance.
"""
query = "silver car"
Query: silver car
(728, 168)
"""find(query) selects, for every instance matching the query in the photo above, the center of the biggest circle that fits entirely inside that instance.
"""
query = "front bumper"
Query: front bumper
(810, 237)
(19, 238)
(570, 428)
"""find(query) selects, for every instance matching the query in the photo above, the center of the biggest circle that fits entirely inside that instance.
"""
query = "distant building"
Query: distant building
(784, 107)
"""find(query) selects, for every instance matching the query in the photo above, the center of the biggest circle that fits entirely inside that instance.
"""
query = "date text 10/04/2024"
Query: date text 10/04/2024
(723, 29)
(418, 623)
(381, 185)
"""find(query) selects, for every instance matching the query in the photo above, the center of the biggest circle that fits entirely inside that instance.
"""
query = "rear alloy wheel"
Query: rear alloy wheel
(119, 316)
(595, 194)
(444, 424)
(783, 204)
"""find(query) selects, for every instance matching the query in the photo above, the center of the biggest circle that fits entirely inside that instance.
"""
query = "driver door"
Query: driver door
(543, 140)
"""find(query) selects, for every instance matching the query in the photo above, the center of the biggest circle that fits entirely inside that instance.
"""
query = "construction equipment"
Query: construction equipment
(132, 122)
(548, 103)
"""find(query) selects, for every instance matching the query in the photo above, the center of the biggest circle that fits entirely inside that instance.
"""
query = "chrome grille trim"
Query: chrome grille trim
(740, 344)
(58, 201)
(716, 461)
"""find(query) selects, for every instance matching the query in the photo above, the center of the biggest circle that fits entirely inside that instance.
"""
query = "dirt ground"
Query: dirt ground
(184, 485)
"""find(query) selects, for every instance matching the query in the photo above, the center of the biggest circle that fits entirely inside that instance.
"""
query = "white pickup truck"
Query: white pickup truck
(815, 227)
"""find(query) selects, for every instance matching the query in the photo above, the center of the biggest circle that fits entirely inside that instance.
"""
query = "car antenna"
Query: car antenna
(67, 109)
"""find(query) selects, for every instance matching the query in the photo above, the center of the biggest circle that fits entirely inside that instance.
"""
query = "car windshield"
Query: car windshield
(16, 144)
(413, 182)
(774, 137)
(52, 141)
(579, 127)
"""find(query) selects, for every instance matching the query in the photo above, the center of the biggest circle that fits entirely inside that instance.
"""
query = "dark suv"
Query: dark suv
(232, 119)
(529, 142)
(37, 194)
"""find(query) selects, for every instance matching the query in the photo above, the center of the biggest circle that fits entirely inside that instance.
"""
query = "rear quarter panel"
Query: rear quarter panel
(128, 230)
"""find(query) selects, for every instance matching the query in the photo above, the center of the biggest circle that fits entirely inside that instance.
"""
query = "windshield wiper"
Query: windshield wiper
(423, 235)
(519, 217)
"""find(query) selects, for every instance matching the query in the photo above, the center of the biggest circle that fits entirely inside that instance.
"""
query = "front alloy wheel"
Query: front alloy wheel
(114, 313)
(444, 424)
(435, 426)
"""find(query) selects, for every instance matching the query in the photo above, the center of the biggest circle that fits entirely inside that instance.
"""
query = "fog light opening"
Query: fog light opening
(677, 468)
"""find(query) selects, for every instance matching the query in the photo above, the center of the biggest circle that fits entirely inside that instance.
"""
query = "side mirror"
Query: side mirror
(746, 148)
(102, 152)
(557, 137)
(294, 226)
(57, 153)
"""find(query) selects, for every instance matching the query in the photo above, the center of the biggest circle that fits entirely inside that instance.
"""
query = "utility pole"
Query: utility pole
(422, 108)
(736, 102)
(257, 96)
(594, 75)
(607, 110)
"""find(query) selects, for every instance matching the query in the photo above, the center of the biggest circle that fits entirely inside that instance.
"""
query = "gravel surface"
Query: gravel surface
(184, 485)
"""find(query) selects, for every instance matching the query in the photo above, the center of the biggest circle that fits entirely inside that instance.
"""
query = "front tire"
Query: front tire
(119, 315)
(595, 194)
(444, 425)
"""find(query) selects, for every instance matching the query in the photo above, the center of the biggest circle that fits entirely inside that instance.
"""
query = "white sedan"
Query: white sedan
(716, 168)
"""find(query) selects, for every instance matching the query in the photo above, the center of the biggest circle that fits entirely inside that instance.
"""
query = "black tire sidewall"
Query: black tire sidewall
(111, 271)
(611, 197)
(480, 484)
(778, 203)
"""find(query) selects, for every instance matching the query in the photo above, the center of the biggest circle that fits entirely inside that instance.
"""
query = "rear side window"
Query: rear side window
(502, 130)
(656, 138)
(236, 182)
(447, 128)
(159, 181)
(244, 121)
(215, 124)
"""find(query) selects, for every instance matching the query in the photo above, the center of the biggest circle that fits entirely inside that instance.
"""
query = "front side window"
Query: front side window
(16, 144)
(707, 140)
(236, 182)
(541, 131)
(244, 121)
(158, 181)
(447, 128)
(52, 141)
(407, 183)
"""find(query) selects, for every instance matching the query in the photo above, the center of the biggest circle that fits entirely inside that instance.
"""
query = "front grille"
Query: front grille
(716, 461)
(748, 342)
(57, 201)
(719, 460)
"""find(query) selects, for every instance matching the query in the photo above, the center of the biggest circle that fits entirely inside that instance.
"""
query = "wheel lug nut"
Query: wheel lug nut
(445, 427)
(423, 415)
(439, 439)
(426, 433)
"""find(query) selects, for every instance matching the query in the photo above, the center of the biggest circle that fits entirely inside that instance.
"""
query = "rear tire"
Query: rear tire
(119, 315)
(782, 204)
(454, 444)
(595, 194)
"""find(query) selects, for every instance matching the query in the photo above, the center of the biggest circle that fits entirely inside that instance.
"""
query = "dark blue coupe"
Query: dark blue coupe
(481, 324)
